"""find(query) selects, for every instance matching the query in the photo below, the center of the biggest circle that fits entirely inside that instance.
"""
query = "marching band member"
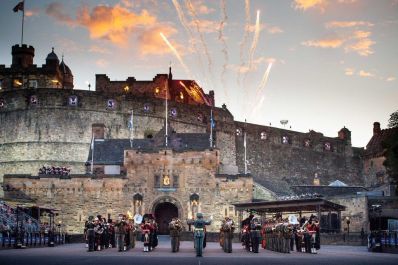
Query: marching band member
(175, 227)
(199, 232)
(255, 235)
(120, 231)
(90, 233)
(227, 230)
(146, 228)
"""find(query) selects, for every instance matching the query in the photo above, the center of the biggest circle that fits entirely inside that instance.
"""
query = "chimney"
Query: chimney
(376, 128)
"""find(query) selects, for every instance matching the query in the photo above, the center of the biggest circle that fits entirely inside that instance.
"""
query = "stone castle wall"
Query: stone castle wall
(277, 166)
(81, 196)
(54, 133)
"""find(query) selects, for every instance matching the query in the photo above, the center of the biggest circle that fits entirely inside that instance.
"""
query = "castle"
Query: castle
(121, 163)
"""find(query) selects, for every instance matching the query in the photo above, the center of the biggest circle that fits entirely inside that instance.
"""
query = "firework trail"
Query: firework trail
(191, 9)
(245, 37)
(175, 53)
(264, 80)
(257, 107)
(185, 24)
(224, 43)
(255, 40)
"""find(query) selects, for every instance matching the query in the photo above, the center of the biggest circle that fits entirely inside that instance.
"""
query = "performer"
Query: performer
(98, 229)
(245, 226)
(175, 227)
(311, 230)
(255, 235)
(132, 232)
(90, 233)
(227, 228)
(146, 228)
(120, 231)
(199, 232)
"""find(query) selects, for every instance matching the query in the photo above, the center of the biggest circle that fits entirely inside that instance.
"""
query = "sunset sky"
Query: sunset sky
(321, 64)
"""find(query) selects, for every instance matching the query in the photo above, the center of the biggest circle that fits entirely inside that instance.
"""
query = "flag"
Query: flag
(19, 6)
(212, 122)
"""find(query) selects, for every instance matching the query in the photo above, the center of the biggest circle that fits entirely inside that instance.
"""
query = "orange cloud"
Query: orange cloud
(325, 43)
(363, 73)
(32, 12)
(349, 71)
(201, 8)
(102, 63)
(207, 26)
(362, 47)
(150, 41)
(347, 24)
(390, 78)
(98, 49)
(307, 4)
(113, 23)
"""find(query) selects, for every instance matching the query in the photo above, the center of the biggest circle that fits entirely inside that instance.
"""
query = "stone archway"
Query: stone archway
(165, 208)
(164, 212)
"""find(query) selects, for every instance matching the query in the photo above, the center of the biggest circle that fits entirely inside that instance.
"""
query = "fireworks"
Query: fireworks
(175, 53)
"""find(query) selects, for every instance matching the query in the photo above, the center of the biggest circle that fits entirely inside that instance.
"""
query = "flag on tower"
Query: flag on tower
(212, 122)
(19, 6)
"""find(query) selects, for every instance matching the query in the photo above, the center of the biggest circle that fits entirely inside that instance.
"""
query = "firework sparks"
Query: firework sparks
(245, 37)
(264, 80)
(175, 53)
(255, 40)
(224, 43)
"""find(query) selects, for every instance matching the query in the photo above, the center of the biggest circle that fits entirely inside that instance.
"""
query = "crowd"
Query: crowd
(51, 170)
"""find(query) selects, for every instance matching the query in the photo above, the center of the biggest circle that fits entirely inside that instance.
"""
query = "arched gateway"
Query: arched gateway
(165, 208)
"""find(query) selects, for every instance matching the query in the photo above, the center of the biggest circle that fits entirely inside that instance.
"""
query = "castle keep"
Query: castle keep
(45, 122)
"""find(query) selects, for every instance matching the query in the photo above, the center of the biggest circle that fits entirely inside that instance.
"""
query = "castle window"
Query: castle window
(17, 83)
(327, 146)
(263, 136)
(157, 91)
(200, 117)
(157, 181)
(285, 140)
(146, 107)
(307, 142)
(32, 83)
(175, 181)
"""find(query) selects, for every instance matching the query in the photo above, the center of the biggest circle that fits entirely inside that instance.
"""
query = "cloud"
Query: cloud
(363, 73)
(113, 23)
(307, 4)
(150, 41)
(201, 8)
(362, 47)
(32, 12)
(347, 24)
(98, 49)
(56, 10)
(257, 62)
(102, 63)
(207, 26)
(324, 43)
(274, 30)
(390, 78)
(349, 71)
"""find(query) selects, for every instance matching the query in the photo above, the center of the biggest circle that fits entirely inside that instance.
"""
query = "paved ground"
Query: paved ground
(213, 255)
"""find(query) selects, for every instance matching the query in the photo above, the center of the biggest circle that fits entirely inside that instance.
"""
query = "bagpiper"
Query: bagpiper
(147, 229)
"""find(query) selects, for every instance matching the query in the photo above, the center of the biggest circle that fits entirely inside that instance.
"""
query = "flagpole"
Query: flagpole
(132, 128)
(23, 18)
(244, 144)
(92, 154)
(166, 108)
(211, 128)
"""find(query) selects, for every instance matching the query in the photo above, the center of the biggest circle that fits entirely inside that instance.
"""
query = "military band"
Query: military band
(175, 227)
(226, 234)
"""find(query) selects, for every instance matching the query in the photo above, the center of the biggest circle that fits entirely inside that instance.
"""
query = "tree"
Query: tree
(391, 146)
(393, 121)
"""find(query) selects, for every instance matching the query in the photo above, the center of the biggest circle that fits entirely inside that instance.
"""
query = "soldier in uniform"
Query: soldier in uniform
(120, 231)
(245, 226)
(147, 229)
(255, 235)
(227, 229)
(175, 227)
(199, 232)
(132, 232)
(90, 233)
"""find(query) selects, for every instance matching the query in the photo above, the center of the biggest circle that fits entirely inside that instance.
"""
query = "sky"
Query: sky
(320, 64)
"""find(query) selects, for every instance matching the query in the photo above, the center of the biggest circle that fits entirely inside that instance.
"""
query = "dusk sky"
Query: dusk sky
(320, 64)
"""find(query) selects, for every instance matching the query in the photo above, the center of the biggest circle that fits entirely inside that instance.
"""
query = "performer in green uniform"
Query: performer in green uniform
(199, 232)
